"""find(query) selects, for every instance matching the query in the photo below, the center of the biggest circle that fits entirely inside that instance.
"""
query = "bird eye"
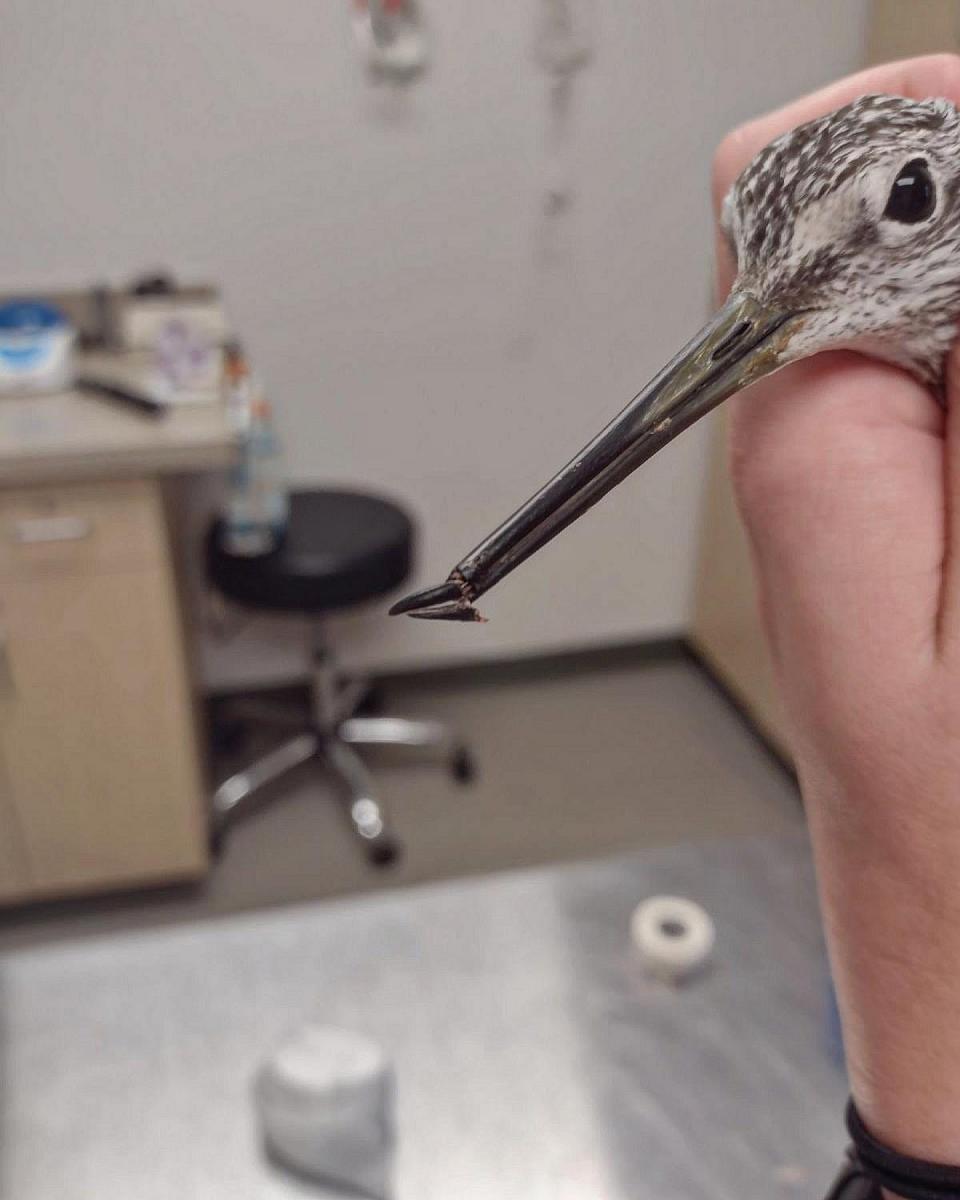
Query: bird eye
(913, 196)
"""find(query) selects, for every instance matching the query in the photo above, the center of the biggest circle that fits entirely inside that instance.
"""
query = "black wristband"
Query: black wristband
(852, 1182)
(912, 1178)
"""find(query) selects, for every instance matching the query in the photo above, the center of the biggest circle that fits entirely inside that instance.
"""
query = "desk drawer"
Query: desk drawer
(98, 761)
(79, 528)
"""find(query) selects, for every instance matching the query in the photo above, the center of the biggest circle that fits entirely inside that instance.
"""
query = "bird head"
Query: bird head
(846, 235)
(852, 222)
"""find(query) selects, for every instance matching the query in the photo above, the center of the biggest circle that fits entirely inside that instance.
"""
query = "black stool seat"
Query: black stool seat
(340, 549)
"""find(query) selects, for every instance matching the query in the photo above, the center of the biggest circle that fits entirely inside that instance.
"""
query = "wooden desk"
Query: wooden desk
(71, 435)
(100, 777)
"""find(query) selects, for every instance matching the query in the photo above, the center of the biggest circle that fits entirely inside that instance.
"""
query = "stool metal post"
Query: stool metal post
(324, 686)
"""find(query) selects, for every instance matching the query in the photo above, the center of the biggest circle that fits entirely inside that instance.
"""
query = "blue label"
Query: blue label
(30, 316)
(25, 358)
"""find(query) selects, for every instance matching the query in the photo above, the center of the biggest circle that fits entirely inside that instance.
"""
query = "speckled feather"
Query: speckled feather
(805, 220)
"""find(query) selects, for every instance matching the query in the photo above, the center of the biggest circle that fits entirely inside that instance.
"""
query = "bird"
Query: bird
(845, 232)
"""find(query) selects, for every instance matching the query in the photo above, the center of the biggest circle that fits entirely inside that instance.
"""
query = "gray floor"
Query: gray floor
(602, 756)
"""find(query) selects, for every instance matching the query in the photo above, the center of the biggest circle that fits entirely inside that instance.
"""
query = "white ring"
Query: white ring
(674, 936)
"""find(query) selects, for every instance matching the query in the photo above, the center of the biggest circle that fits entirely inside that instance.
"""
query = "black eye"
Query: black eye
(913, 196)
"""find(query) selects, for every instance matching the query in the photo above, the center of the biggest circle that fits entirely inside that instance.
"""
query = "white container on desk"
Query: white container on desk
(36, 348)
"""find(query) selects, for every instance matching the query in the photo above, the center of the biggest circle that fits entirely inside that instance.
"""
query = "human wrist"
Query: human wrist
(897, 809)
(891, 906)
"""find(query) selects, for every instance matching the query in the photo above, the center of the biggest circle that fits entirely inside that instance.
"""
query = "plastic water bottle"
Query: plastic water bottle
(239, 388)
(257, 502)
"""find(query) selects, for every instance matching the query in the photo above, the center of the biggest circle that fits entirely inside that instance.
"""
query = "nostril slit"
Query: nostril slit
(734, 336)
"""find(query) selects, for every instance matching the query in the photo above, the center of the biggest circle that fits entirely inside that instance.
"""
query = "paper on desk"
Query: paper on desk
(137, 370)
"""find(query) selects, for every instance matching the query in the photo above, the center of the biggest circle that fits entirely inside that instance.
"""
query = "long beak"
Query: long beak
(745, 341)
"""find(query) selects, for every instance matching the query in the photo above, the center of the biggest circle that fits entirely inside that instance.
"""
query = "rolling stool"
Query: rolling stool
(339, 550)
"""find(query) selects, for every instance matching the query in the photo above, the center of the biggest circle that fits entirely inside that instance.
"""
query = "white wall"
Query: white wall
(380, 259)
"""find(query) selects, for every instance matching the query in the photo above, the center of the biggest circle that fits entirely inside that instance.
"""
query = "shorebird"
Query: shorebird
(846, 234)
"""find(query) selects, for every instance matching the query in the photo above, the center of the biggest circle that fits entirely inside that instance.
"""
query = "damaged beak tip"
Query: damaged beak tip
(431, 597)
(458, 611)
(744, 341)
(446, 601)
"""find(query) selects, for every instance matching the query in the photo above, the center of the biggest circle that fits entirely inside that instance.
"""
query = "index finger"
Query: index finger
(916, 78)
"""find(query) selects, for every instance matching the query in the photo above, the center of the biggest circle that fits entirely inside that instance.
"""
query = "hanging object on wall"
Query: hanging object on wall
(393, 39)
(563, 46)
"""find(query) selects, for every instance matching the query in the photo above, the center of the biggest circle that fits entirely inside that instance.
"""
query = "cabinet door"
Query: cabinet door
(98, 736)
(898, 30)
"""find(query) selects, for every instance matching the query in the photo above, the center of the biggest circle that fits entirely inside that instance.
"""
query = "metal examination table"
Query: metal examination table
(535, 1062)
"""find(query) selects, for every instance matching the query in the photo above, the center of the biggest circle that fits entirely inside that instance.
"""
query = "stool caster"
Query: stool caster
(463, 767)
(227, 734)
(372, 703)
(386, 852)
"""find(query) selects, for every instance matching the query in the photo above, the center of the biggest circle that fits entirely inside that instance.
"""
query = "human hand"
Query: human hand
(848, 477)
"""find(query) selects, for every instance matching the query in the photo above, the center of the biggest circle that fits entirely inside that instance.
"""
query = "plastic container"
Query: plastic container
(325, 1101)
(36, 347)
